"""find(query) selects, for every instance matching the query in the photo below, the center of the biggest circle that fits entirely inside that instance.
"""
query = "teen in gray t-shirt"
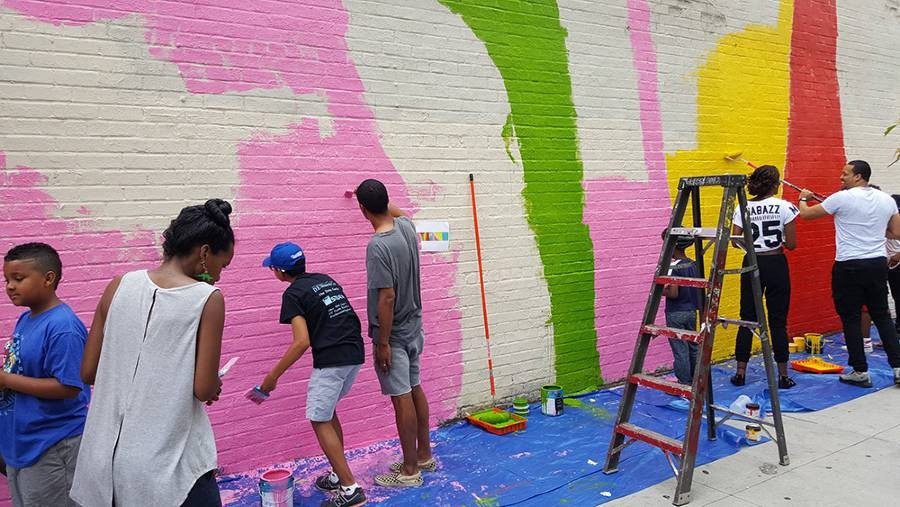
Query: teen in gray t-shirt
(392, 266)
(392, 261)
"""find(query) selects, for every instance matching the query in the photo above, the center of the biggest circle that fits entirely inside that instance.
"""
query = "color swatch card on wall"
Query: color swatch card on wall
(435, 236)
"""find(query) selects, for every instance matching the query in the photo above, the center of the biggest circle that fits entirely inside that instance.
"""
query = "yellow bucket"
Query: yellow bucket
(813, 343)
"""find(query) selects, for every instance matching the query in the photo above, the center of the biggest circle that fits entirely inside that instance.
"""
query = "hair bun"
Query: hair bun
(218, 210)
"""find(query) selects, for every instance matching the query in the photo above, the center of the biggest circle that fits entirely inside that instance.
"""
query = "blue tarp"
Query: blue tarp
(559, 460)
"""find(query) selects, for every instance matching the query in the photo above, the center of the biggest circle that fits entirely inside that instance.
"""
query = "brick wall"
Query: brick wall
(576, 118)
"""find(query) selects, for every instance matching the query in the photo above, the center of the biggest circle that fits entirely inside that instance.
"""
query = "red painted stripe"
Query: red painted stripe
(815, 157)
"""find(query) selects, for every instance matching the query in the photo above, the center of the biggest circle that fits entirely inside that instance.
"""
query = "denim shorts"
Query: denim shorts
(326, 387)
(404, 372)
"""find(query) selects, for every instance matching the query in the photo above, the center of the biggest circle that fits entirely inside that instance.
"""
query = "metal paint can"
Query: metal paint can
(520, 407)
(552, 400)
(276, 488)
(752, 410)
(753, 431)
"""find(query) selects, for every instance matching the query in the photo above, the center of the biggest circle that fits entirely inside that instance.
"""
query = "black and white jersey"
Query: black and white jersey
(767, 220)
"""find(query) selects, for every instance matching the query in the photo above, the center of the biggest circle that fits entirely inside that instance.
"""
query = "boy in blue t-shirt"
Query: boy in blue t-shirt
(682, 304)
(43, 401)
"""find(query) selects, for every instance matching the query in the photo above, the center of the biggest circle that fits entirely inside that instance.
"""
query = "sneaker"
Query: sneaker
(738, 379)
(344, 500)
(398, 480)
(856, 378)
(786, 382)
(327, 483)
(897, 376)
(429, 465)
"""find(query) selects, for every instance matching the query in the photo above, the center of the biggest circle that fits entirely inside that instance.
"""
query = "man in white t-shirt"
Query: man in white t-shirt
(863, 216)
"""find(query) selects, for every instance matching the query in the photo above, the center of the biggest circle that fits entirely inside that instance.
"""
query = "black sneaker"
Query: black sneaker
(345, 500)
(738, 379)
(786, 382)
(324, 483)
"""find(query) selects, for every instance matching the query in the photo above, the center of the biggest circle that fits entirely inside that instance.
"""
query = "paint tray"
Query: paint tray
(816, 365)
(515, 422)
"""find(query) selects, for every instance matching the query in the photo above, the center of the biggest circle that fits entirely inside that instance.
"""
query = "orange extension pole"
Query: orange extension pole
(487, 332)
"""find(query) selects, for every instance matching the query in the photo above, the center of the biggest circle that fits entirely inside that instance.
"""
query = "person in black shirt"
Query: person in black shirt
(321, 318)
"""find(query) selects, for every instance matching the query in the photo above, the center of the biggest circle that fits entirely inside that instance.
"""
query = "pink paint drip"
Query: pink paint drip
(292, 188)
(625, 268)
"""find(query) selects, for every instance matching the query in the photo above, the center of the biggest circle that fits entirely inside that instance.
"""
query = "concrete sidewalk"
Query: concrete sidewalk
(846, 455)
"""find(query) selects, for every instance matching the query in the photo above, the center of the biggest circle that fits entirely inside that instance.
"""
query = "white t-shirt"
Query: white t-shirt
(861, 216)
(767, 220)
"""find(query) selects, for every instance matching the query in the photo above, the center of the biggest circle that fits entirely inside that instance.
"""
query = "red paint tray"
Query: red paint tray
(515, 422)
(816, 365)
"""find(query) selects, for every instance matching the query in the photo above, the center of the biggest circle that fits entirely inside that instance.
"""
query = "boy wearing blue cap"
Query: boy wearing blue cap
(320, 317)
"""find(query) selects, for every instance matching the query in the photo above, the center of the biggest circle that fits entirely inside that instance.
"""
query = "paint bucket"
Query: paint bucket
(520, 407)
(813, 343)
(753, 431)
(752, 409)
(276, 487)
(552, 400)
(800, 342)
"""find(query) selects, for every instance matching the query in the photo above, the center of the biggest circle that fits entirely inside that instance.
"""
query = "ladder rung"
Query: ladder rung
(741, 323)
(683, 281)
(739, 271)
(671, 332)
(699, 232)
(651, 437)
(661, 384)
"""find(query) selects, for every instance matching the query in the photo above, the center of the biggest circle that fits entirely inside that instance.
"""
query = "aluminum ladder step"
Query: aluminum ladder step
(671, 332)
(683, 281)
(651, 437)
(661, 384)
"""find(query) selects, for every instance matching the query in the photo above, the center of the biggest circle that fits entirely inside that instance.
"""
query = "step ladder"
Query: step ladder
(682, 455)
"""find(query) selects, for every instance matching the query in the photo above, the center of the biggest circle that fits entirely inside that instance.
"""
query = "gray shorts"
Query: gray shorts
(47, 482)
(404, 372)
(326, 387)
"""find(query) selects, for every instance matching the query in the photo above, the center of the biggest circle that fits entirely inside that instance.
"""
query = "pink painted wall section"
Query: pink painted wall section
(90, 259)
(626, 218)
(291, 188)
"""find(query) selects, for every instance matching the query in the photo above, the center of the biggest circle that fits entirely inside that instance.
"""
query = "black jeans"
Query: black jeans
(775, 279)
(205, 492)
(864, 282)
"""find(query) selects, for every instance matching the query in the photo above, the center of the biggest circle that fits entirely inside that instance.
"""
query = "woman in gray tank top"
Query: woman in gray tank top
(152, 355)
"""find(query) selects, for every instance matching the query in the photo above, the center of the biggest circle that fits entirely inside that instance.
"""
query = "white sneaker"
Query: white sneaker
(897, 376)
(856, 378)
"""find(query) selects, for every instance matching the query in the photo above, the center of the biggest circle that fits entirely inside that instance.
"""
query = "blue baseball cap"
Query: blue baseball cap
(284, 256)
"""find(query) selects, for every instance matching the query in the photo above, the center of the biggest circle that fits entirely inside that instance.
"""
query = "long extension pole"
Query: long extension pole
(484, 312)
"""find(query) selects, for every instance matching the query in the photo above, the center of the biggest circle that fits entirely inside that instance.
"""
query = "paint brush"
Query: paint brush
(736, 157)
(257, 395)
(223, 370)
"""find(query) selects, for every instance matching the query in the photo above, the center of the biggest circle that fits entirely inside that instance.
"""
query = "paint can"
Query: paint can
(753, 431)
(276, 488)
(800, 342)
(552, 400)
(752, 409)
(520, 407)
(813, 343)
(792, 348)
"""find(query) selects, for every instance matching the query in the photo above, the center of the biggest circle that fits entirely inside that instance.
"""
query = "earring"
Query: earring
(204, 276)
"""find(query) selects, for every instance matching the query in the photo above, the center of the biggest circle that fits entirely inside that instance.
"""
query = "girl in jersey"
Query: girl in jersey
(154, 350)
(773, 228)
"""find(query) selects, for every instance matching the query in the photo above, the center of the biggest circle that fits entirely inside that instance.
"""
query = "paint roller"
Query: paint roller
(736, 157)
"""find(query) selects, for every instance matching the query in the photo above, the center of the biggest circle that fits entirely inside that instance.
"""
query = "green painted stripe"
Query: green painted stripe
(527, 44)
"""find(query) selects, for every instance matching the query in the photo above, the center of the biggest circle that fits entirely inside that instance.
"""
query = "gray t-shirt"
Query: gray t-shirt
(392, 261)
